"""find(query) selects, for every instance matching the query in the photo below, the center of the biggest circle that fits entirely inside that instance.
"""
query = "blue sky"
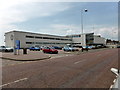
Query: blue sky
(61, 18)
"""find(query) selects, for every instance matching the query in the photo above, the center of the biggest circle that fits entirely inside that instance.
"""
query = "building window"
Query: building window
(11, 37)
(38, 37)
(76, 43)
(29, 42)
(29, 36)
(76, 36)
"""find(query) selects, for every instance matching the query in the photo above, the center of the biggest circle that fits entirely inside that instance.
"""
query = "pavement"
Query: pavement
(30, 56)
(37, 55)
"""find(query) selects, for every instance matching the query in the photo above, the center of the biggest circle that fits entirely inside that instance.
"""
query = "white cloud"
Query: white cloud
(15, 11)
(108, 32)
(62, 29)
(22, 11)
(66, 29)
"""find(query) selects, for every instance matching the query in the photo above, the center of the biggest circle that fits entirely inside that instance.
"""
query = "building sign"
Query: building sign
(17, 44)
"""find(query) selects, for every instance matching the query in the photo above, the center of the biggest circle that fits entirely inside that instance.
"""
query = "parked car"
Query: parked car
(50, 50)
(6, 49)
(84, 48)
(91, 47)
(66, 48)
(42, 47)
(115, 85)
(78, 47)
(118, 46)
(34, 48)
(56, 47)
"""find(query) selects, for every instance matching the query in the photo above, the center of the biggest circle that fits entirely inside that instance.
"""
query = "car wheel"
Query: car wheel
(6, 50)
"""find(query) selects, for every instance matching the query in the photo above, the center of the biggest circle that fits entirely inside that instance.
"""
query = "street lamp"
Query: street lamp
(85, 10)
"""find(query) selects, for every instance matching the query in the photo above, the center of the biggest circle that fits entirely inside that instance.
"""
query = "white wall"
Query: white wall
(99, 40)
(22, 37)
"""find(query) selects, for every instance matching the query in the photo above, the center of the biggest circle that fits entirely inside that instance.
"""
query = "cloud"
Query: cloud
(22, 11)
(15, 11)
(108, 32)
(62, 29)
(66, 29)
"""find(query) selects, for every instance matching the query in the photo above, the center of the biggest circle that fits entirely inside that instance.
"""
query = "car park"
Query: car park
(6, 49)
(50, 50)
(34, 48)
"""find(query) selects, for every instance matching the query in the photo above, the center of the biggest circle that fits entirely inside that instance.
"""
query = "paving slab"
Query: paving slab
(30, 56)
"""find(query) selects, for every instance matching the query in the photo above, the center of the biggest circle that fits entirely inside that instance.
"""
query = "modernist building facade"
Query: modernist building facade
(28, 39)
(82, 39)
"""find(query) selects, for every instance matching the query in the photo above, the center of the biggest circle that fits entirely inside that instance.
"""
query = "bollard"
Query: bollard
(24, 50)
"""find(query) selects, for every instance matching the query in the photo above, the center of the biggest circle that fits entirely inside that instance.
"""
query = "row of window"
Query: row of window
(90, 39)
(47, 38)
(44, 43)
(76, 43)
(74, 36)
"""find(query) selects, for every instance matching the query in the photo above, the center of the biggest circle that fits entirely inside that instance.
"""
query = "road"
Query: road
(87, 70)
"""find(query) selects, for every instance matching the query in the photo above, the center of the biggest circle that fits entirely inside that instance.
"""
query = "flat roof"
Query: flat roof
(79, 34)
(34, 33)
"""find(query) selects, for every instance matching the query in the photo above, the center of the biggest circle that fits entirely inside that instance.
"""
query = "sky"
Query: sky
(59, 17)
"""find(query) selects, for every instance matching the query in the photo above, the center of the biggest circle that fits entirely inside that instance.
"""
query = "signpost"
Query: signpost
(17, 45)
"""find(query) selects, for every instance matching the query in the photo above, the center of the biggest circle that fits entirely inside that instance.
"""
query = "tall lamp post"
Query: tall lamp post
(83, 10)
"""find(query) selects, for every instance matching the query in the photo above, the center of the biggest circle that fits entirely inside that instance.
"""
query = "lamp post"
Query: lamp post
(83, 10)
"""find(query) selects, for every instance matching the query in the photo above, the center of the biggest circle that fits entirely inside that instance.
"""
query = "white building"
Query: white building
(82, 39)
(28, 39)
(98, 40)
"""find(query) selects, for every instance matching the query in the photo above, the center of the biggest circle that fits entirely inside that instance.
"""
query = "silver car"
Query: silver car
(6, 49)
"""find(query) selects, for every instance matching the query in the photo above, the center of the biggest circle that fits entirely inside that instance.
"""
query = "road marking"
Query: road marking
(19, 63)
(114, 80)
(13, 82)
(56, 57)
(111, 87)
(59, 56)
(80, 61)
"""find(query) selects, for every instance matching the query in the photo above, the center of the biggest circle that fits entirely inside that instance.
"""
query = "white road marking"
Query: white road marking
(13, 82)
(114, 80)
(19, 63)
(59, 56)
(111, 87)
(56, 57)
(80, 61)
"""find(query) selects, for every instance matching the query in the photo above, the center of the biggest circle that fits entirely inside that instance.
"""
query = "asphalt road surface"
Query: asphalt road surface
(87, 70)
